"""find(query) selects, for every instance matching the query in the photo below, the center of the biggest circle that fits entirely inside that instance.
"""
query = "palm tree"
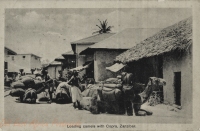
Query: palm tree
(103, 28)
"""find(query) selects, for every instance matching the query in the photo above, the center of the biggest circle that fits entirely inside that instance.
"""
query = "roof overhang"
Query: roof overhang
(116, 67)
(82, 67)
(90, 51)
(13, 52)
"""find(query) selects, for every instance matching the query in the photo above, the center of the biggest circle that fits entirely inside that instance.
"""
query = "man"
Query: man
(48, 83)
(75, 89)
(127, 82)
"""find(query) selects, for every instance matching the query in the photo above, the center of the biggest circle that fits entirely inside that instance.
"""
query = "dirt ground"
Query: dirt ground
(15, 112)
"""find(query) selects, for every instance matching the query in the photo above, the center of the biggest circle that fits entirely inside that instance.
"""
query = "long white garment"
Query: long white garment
(76, 94)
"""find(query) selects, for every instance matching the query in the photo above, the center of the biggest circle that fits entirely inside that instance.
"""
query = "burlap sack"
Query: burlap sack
(18, 84)
(17, 92)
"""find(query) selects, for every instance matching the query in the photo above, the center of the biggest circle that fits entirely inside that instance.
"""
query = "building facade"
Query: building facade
(177, 71)
(53, 69)
(7, 52)
(102, 59)
(23, 61)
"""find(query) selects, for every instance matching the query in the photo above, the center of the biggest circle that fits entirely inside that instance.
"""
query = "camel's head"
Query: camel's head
(157, 81)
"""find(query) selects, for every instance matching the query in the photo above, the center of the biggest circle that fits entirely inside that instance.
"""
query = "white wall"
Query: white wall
(35, 62)
(103, 59)
(171, 64)
(53, 71)
(16, 62)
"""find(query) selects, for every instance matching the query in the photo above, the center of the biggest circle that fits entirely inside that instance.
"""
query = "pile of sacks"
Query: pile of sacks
(109, 96)
(25, 88)
(29, 89)
(104, 97)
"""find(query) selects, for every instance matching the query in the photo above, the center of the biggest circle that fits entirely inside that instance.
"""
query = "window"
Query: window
(24, 56)
(5, 65)
(13, 58)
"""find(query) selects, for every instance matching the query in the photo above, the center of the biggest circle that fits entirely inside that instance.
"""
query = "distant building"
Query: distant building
(68, 60)
(80, 45)
(7, 52)
(53, 68)
(22, 61)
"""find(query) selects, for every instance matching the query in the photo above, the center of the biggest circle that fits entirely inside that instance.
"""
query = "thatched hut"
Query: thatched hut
(166, 54)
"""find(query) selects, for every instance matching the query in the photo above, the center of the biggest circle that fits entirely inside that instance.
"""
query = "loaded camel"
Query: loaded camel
(136, 98)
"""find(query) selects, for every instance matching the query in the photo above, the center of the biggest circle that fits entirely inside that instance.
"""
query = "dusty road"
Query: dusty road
(64, 113)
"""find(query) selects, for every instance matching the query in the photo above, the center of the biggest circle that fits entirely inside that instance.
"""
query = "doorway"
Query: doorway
(177, 88)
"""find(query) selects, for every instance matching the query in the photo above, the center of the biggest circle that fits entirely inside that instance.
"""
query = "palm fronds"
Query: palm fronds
(103, 28)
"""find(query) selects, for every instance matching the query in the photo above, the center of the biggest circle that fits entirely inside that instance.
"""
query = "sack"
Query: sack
(91, 91)
(28, 81)
(118, 86)
(43, 97)
(112, 99)
(111, 81)
(109, 94)
(17, 92)
(63, 96)
(18, 84)
(30, 96)
(38, 84)
(86, 103)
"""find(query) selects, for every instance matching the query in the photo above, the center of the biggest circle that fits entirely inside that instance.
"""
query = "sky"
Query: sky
(48, 32)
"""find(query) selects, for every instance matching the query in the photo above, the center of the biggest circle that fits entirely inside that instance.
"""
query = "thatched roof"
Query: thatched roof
(177, 36)
(125, 39)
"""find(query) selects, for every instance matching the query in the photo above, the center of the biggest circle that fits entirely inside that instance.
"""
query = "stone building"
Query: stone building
(167, 54)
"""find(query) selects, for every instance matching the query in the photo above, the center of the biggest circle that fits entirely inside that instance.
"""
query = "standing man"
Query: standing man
(49, 83)
(75, 89)
(127, 82)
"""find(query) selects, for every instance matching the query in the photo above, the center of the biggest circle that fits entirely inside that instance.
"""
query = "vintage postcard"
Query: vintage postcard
(100, 65)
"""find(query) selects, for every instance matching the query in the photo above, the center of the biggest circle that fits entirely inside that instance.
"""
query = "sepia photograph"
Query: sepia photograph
(77, 66)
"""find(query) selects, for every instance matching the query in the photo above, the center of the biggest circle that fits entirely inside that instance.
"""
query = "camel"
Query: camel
(142, 97)
(137, 98)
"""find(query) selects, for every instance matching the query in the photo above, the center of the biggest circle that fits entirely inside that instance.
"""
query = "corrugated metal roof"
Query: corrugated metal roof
(125, 39)
(55, 63)
(69, 53)
(93, 39)
(60, 58)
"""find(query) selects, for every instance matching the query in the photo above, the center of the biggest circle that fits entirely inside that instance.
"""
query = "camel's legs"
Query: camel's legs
(129, 109)
(138, 111)
(147, 112)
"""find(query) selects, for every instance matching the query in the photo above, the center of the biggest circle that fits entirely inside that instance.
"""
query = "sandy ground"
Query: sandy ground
(64, 113)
